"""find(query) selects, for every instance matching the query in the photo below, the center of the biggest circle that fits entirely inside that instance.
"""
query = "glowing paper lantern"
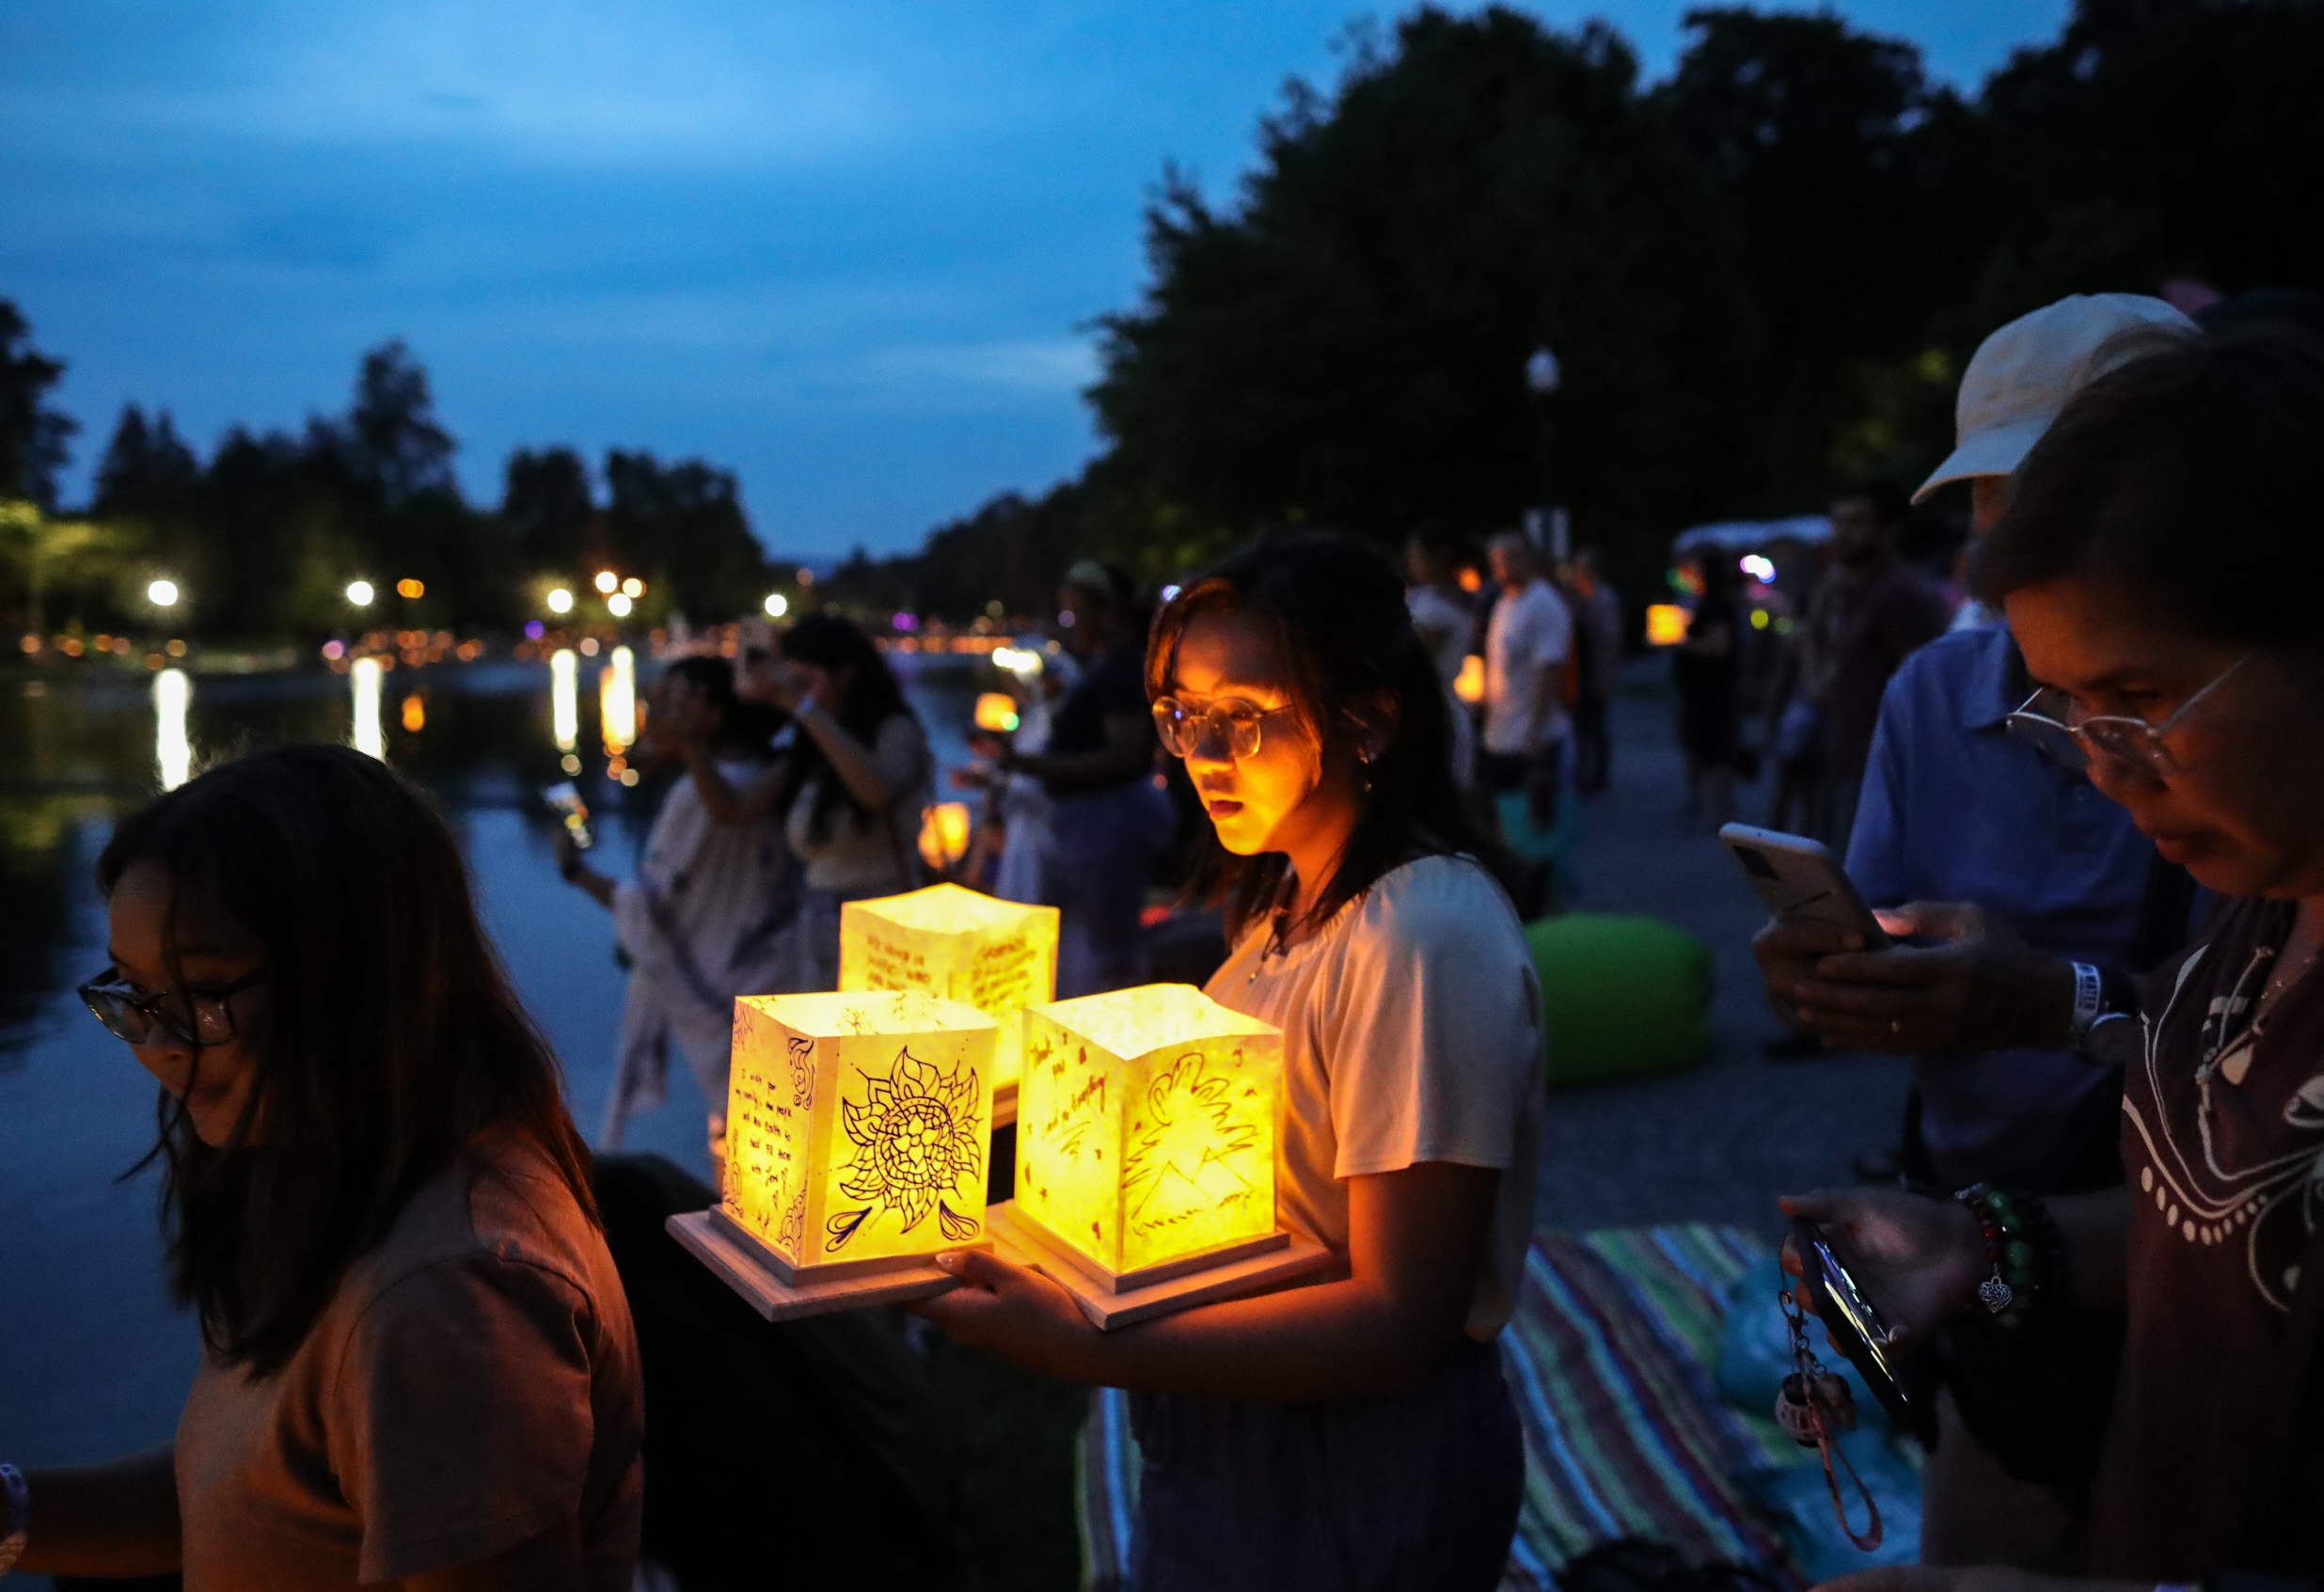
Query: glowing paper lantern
(996, 711)
(856, 1131)
(999, 956)
(1145, 1132)
(1470, 685)
(1666, 625)
(945, 835)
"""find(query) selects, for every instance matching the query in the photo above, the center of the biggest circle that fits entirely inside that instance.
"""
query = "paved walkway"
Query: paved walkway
(1719, 1142)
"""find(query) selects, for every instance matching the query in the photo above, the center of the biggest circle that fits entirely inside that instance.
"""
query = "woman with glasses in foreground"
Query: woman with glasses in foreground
(417, 1363)
(2158, 565)
(1353, 1433)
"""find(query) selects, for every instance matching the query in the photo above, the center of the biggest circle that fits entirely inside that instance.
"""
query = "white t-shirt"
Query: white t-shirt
(1412, 1031)
(1446, 629)
(1529, 633)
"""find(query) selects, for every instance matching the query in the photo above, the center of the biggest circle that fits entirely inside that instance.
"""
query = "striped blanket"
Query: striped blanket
(1608, 1359)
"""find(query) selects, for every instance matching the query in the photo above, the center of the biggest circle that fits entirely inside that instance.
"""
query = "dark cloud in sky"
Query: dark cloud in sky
(849, 250)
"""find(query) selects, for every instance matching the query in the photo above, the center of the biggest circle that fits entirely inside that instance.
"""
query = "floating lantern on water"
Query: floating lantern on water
(856, 1136)
(1145, 1152)
(1666, 625)
(996, 711)
(999, 956)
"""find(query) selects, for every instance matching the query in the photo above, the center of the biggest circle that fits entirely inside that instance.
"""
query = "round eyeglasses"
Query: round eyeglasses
(1184, 730)
(2071, 742)
(190, 1017)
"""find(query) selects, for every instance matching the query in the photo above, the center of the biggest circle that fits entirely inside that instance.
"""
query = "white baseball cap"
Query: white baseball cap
(2024, 374)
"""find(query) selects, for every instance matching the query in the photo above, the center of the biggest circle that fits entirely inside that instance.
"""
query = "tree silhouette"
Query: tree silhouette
(32, 436)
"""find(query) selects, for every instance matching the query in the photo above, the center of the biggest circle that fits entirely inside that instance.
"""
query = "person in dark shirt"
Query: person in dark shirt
(2158, 564)
(1108, 821)
(1890, 613)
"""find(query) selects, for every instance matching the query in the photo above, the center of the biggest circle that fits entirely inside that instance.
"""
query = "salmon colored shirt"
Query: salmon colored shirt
(473, 1383)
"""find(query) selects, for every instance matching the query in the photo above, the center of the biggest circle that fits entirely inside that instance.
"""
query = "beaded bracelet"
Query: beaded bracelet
(2022, 1246)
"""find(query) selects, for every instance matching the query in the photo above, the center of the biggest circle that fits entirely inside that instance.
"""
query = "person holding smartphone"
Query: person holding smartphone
(2027, 901)
(2158, 566)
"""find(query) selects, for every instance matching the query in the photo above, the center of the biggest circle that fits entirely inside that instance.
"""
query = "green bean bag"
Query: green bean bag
(1625, 997)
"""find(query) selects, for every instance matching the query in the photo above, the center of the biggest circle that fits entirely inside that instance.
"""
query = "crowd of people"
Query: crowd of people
(2090, 817)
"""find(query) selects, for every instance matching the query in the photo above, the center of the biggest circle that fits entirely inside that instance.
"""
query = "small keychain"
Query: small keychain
(1814, 1408)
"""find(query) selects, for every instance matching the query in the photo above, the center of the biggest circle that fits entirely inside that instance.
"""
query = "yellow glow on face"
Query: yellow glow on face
(997, 956)
(1145, 1125)
(1666, 625)
(858, 1124)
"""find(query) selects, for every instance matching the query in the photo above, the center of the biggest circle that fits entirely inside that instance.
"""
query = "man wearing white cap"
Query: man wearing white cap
(2035, 900)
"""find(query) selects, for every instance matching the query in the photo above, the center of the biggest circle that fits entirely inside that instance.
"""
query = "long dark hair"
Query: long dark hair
(2194, 477)
(1336, 611)
(390, 1037)
(873, 697)
(743, 726)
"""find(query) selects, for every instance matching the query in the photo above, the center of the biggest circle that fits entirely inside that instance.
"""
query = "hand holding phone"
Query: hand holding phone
(1801, 881)
(565, 801)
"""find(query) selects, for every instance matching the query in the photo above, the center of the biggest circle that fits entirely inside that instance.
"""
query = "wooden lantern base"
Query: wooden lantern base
(782, 1292)
(1123, 1299)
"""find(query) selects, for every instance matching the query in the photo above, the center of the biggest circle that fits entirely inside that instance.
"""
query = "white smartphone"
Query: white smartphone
(1801, 880)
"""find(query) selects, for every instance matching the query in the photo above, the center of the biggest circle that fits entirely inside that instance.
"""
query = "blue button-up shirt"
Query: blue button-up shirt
(1957, 809)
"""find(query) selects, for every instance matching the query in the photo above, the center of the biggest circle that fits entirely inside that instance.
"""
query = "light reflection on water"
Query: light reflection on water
(564, 710)
(364, 730)
(173, 754)
(617, 701)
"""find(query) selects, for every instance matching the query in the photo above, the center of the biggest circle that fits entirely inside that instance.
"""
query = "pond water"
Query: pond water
(94, 1359)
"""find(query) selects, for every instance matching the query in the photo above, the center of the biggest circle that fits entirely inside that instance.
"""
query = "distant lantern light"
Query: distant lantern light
(607, 582)
(618, 605)
(560, 601)
(1469, 685)
(1759, 567)
(805, 576)
(534, 630)
(407, 587)
(996, 711)
(1666, 625)
(162, 593)
(1759, 619)
(777, 606)
(633, 588)
(906, 621)
(359, 593)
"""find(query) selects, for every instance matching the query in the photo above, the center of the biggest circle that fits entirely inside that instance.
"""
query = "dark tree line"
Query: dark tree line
(265, 537)
(1761, 277)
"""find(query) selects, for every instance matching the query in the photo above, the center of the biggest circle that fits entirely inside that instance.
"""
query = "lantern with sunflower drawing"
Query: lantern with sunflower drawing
(998, 956)
(1146, 1133)
(857, 1131)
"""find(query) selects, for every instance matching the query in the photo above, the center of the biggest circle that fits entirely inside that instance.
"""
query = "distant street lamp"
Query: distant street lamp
(607, 582)
(359, 593)
(777, 605)
(162, 594)
(633, 588)
(560, 601)
(410, 588)
(618, 605)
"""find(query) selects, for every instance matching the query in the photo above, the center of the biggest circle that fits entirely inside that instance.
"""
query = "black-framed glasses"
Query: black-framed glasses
(191, 1016)
(1184, 729)
(2058, 735)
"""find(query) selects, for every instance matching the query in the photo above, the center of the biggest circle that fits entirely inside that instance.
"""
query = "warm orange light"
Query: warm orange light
(1471, 580)
(857, 1126)
(999, 956)
(945, 835)
(1666, 625)
(415, 713)
(408, 588)
(996, 711)
(1470, 685)
(1145, 1125)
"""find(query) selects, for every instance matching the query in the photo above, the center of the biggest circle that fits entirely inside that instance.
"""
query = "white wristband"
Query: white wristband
(16, 1525)
(2088, 997)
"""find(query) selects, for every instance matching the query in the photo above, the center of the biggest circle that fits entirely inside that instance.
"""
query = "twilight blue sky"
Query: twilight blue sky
(849, 250)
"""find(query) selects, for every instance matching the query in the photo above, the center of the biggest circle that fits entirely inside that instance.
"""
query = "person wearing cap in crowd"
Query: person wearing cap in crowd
(2034, 900)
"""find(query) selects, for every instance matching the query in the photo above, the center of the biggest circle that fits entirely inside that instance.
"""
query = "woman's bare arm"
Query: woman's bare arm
(725, 801)
(856, 763)
(108, 1521)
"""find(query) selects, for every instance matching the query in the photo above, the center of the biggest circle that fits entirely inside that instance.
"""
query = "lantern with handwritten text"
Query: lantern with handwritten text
(856, 1129)
(1146, 1130)
(996, 955)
